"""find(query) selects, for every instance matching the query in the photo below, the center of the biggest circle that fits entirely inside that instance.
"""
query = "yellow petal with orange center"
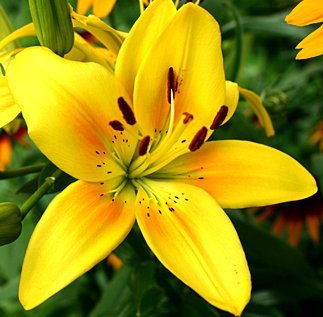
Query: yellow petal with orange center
(141, 38)
(312, 45)
(194, 239)
(79, 229)
(242, 174)
(191, 45)
(306, 12)
(68, 106)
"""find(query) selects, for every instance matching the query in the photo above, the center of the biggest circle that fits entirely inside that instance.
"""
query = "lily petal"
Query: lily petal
(9, 110)
(68, 112)
(242, 174)
(142, 36)
(83, 6)
(231, 98)
(26, 30)
(256, 104)
(312, 45)
(191, 45)
(306, 12)
(79, 229)
(194, 239)
(102, 8)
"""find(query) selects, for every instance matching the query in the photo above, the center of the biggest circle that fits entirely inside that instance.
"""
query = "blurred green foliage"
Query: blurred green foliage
(287, 282)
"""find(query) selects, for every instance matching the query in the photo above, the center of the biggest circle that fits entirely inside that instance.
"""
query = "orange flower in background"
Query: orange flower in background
(10, 133)
(305, 13)
(5, 150)
(294, 216)
(317, 136)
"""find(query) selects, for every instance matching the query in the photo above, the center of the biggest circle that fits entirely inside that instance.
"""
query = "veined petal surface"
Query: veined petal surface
(191, 45)
(79, 229)
(68, 111)
(194, 239)
(242, 174)
(306, 12)
(141, 38)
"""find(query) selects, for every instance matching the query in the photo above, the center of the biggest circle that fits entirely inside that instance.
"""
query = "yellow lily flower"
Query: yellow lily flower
(305, 13)
(134, 140)
(101, 8)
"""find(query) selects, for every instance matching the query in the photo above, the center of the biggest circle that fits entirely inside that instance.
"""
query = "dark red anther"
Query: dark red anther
(198, 139)
(127, 112)
(171, 84)
(143, 145)
(116, 125)
(219, 117)
(188, 117)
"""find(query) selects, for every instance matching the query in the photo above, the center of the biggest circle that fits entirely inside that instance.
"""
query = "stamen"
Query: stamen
(116, 125)
(219, 117)
(127, 112)
(143, 145)
(188, 117)
(171, 84)
(198, 139)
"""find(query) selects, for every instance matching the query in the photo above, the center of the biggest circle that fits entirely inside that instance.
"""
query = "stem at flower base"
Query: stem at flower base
(39, 193)
(22, 171)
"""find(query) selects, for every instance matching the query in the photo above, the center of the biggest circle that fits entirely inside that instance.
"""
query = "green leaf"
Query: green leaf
(115, 296)
(268, 251)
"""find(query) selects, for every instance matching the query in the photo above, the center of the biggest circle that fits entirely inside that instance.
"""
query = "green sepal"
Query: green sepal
(53, 24)
(10, 222)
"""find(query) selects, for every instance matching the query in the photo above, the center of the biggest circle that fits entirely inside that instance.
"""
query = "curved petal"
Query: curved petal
(242, 174)
(9, 110)
(103, 8)
(83, 6)
(109, 37)
(194, 239)
(231, 98)
(83, 51)
(306, 12)
(312, 45)
(26, 30)
(68, 118)
(141, 38)
(191, 45)
(79, 229)
(256, 104)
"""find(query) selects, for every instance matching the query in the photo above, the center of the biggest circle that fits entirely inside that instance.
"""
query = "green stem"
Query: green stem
(39, 193)
(22, 171)
(239, 44)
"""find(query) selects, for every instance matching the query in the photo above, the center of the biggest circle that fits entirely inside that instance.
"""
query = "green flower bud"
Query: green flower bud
(10, 222)
(53, 24)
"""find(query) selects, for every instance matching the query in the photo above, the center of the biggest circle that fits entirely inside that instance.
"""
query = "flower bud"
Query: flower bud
(53, 24)
(10, 222)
